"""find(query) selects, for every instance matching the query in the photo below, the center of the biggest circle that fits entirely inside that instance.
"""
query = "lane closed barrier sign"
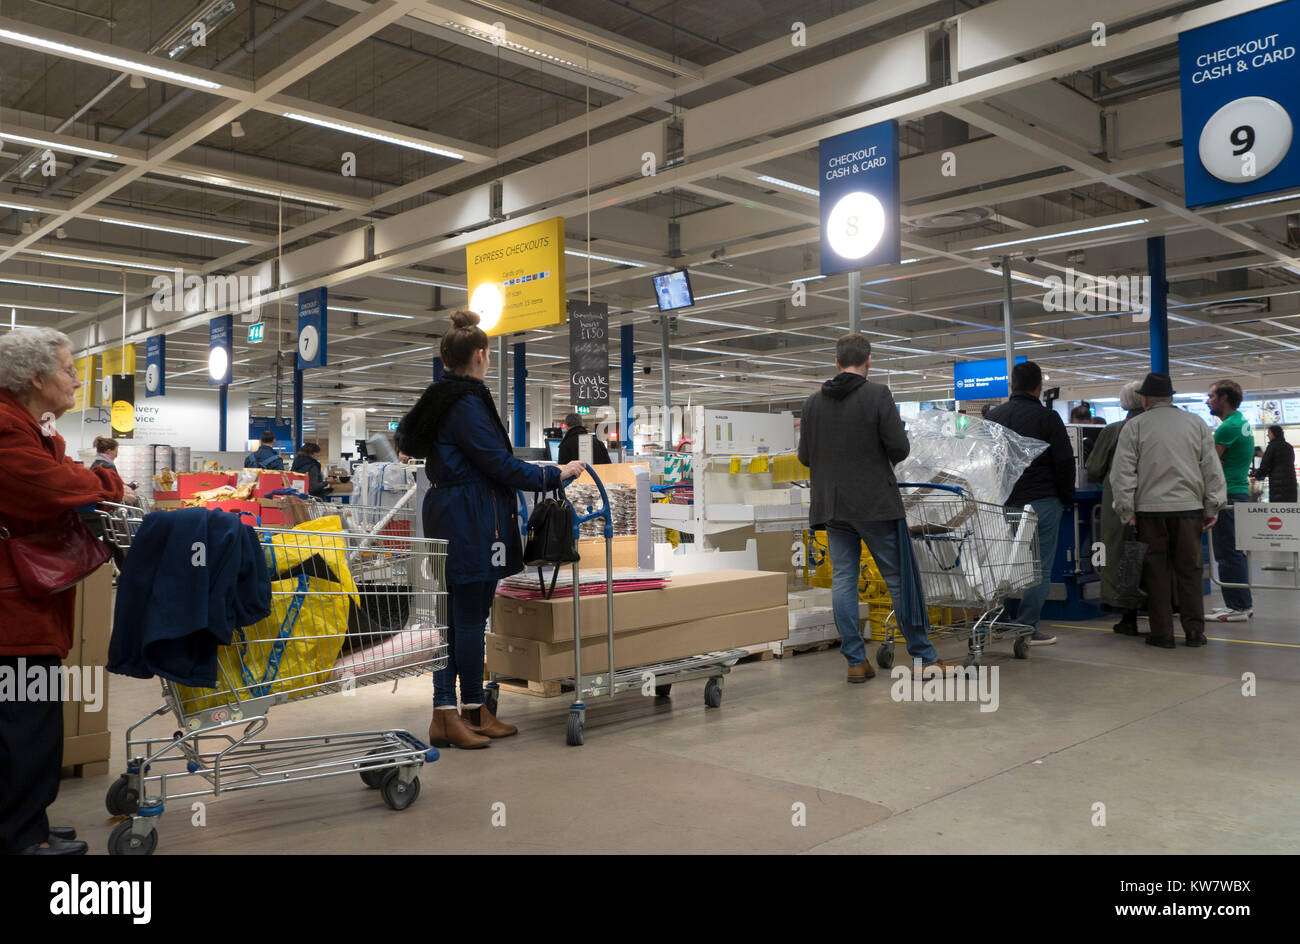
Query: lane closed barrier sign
(1263, 527)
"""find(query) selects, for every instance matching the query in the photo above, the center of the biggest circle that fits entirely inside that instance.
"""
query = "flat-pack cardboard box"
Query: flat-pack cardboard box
(86, 738)
(687, 597)
(188, 483)
(545, 661)
(271, 481)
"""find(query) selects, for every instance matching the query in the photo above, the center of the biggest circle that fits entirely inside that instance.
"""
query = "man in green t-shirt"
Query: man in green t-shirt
(1235, 442)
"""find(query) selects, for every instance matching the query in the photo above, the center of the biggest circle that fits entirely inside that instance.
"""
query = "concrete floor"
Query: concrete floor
(1183, 762)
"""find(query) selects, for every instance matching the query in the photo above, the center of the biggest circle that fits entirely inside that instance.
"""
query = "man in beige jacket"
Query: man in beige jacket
(1167, 479)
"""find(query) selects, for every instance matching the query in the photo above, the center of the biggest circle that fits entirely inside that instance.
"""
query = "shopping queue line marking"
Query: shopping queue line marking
(1244, 642)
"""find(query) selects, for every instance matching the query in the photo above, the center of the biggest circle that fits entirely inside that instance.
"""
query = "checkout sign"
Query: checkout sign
(1240, 101)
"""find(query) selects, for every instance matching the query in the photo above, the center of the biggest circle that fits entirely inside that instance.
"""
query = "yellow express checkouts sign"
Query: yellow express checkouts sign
(516, 280)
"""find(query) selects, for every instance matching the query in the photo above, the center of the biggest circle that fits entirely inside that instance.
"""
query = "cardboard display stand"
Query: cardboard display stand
(86, 738)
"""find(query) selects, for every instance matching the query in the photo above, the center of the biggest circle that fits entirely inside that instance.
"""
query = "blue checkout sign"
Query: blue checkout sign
(1240, 82)
(981, 380)
(858, 191)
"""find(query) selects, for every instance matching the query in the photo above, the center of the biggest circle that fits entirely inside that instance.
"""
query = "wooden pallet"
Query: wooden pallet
(820, 646)
(759, 655)
(93, 769)
(539, 689)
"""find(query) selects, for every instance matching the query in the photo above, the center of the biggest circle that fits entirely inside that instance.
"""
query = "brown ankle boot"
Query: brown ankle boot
(480, 721)
(448, 730)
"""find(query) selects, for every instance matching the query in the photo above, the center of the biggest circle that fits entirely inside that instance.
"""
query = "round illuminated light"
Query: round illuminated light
(218, 363)
(308, 343)
(855, 225)
(1245, 139)
(486, 302)
(151, 378)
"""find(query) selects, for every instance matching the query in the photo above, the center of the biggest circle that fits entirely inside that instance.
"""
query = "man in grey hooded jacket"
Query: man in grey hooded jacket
(851, 436)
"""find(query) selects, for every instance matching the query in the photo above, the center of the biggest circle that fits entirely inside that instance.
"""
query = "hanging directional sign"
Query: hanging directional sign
(122, 412)
(1240, 92)
(588, 353)
(313, 315)
(155, 366)
(858, 184)
(220, 349)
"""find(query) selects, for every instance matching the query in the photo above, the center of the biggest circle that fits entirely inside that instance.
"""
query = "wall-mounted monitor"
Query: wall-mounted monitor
(673, 290)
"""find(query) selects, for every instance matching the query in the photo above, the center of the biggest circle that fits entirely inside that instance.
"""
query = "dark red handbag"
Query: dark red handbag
(55, 558)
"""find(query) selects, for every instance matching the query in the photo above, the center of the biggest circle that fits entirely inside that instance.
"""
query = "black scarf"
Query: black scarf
(418, 431)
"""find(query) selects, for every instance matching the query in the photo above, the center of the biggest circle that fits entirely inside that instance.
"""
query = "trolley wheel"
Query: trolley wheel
(122, 797)
(374, 779)
(573, 735)
(1020, 648)
(662, 691)
(971, 659)
(713, 693)
(491, 698)
(123, 841)
(398, 795)
(885, 656)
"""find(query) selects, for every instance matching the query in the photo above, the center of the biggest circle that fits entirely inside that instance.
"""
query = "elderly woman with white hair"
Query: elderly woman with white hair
(40, 489)
(1112, 529)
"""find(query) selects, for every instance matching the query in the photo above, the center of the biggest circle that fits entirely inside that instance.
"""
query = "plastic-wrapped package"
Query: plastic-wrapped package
(953, 448)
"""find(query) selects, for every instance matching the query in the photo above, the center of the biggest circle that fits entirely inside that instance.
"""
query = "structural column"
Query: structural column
(521, 401)
(667, 428)
(1006, 319)
(1159, 305)
(855, 301)
(223, 402)
(627, 383)
(297, 408)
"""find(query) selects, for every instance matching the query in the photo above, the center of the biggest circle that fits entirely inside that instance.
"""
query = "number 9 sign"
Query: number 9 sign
(1245, 139)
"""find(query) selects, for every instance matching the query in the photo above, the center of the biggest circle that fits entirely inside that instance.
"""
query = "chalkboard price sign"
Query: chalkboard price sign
(588, 353)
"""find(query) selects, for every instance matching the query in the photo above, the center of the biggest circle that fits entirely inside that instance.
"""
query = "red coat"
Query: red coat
(38, 483)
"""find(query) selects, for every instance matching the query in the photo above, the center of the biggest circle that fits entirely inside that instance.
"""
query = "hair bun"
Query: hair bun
(464, 319)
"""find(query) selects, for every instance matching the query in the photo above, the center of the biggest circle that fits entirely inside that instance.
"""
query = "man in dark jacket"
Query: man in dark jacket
(265, 457)
(1278, 466)
(1047, 485)
(306, 463)
(851, 436)
(574, 430)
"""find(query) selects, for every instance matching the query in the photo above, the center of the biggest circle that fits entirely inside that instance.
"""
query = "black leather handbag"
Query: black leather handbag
(551, 539)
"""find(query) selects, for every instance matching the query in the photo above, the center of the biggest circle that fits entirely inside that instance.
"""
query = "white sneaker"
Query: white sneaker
(1231, 616)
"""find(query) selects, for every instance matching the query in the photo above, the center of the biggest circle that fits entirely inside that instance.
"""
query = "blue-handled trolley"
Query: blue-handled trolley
(659, 676)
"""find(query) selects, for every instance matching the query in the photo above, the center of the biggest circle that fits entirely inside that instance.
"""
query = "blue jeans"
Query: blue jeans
(1049, 512)
(845, 545)
(1233, 567)
(468, 607)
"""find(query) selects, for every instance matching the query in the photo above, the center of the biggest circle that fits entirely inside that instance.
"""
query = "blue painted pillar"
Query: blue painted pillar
(627, 384)
(437, 369)
(521, 403)
(1159, 305)
(223, 402)
(297, 408)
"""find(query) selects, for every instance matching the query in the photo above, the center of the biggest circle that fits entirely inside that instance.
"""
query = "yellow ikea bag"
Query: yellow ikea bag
(294, 649)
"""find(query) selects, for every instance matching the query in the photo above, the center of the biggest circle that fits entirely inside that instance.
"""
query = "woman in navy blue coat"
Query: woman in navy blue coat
(471, 504)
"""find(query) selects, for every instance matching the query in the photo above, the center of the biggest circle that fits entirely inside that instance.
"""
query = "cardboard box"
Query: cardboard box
(687, 597)
(243, 507)
(86, 737)
(271, 481)
(187, 483)
(544, 661)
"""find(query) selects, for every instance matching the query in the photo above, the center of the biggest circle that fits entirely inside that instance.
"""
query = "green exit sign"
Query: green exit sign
(584, 410)
(255, 332)
(392, 427)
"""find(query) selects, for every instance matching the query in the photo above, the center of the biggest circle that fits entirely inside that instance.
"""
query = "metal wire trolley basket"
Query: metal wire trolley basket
(348, 608)
(971, 555)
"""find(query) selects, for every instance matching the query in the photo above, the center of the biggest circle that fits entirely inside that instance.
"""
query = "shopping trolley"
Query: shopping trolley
(347, 610)
(661, 676)
(972, 555)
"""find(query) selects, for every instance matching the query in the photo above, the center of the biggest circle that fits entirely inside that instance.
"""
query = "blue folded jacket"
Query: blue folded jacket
(190, 578)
